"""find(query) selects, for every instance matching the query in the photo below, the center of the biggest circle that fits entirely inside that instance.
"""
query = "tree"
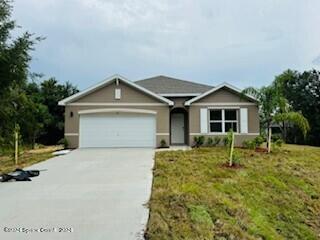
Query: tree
(273, 108)
(28, 109)
(52, 93)
(302, 90)
(14, 62)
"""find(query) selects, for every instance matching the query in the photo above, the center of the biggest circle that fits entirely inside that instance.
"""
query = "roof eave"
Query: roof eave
(179, 94)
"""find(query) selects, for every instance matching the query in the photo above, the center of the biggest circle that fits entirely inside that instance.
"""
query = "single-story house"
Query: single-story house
(121, 113)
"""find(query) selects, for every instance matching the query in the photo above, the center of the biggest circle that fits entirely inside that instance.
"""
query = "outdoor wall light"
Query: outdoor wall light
(71, 114)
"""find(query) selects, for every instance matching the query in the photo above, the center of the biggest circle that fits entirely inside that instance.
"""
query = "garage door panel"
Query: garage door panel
(117, 130)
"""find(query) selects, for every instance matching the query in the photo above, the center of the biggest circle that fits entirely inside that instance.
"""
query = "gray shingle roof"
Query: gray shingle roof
(168, 85)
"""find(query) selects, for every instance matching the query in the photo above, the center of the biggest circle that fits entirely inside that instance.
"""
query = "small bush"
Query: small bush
(210, 141)
(64, 142)
(258, 141)
(236, 158)
(163, 143)
(198, 141)
(254, 143)
(278, 143)
(250, 144)
(275, 137)
(216, 141)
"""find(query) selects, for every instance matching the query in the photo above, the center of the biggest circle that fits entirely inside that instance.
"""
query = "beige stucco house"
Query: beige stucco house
(120, 113)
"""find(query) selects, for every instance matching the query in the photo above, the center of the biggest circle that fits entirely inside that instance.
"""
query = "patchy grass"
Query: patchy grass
(275, 196)
(26, 158)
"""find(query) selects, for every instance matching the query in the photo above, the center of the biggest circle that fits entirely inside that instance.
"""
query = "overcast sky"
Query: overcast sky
(243, 42)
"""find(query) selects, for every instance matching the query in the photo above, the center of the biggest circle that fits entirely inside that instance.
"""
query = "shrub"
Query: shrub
(275, 137)
(250, 144)
(258, 141)
(236, 158)
(279, 142)
(163, 143)
(64, 142)
(254, 143)
(198, 141)
(216, 141)
(210, 141)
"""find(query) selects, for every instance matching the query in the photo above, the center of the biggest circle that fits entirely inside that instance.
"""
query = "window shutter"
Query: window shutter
(204, 120)
(244, 120)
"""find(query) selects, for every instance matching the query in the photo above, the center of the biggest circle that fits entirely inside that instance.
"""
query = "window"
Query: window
(216, 121)
(230, 121)
(222, 120)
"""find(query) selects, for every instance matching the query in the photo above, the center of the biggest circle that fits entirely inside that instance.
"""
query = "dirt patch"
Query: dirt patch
(261, 150)
(234, 166)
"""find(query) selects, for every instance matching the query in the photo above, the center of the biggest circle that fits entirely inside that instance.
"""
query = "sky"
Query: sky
(243, 42)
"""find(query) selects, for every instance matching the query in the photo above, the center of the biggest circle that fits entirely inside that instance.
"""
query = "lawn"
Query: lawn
(27, 157)
(273, 196)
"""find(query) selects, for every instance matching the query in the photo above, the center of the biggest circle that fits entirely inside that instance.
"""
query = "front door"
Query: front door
(177, 128)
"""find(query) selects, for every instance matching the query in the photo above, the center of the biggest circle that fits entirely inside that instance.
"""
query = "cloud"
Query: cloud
(316, 61)
(244, 42)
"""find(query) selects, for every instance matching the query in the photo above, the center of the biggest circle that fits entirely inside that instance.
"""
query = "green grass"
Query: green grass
(275, 196)
(26, 158)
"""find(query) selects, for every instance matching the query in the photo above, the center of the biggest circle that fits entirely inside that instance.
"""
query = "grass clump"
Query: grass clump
(27, 157)
(199, 214)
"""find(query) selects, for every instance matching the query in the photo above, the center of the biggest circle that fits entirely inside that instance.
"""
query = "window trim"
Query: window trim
(223, 121)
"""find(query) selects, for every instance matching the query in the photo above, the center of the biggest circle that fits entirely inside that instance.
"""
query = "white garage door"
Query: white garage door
(117, 130)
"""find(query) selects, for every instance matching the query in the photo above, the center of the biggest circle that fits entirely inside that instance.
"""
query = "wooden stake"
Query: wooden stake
(269, 139)
(231, 150)
(16, 142)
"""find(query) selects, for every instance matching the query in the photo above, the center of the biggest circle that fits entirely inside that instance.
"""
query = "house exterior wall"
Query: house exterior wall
(128, 95)
(104, 99)
(179, 102)
(131, 98)
(222, 95)
(223, 99)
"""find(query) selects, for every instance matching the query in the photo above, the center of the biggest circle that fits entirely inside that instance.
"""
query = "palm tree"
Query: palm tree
(274, 108)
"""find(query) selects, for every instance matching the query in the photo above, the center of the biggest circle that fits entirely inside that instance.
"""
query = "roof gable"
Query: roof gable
(215, 89)
(167, 86)
(105, 83)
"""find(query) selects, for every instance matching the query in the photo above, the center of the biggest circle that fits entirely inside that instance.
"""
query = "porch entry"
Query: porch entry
(178, 125)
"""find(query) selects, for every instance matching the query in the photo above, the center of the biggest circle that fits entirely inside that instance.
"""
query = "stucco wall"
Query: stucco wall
(222, 95)
(179, 102)
(104, 98)
(253, 117)
(135, 99)
(72, 123)
(224, 99)
(128, 95)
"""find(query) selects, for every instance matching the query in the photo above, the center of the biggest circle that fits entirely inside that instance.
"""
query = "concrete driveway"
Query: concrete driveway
(94, 193)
